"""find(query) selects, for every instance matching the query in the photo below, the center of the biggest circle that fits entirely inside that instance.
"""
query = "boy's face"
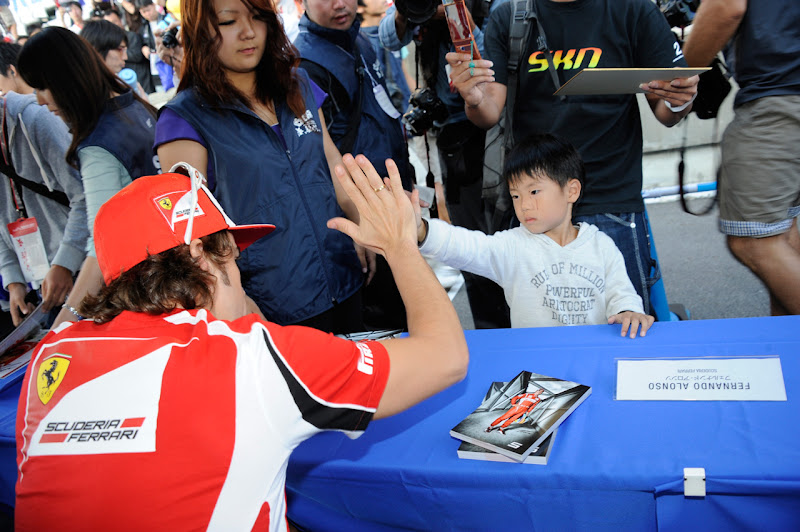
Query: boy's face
(541, 204)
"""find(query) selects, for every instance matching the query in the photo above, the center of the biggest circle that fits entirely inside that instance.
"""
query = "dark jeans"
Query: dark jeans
(629, 232)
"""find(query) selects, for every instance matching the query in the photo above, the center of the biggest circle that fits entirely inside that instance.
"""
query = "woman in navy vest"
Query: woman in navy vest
(112, 129)
(246, 115)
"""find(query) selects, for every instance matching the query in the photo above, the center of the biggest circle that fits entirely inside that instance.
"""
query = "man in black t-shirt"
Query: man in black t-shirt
(759, 192)
(606, 129)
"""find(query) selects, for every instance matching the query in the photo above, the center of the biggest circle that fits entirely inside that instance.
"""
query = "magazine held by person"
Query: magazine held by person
(516, 417)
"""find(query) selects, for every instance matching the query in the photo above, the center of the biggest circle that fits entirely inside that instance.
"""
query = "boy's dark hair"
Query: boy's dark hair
(545, 155)
(142, 3)
(9, 52)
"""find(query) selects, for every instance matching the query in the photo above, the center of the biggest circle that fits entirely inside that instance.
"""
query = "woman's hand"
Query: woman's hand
(467, 76)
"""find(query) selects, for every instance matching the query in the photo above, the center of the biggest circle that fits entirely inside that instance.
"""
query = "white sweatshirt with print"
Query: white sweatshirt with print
(545, 284)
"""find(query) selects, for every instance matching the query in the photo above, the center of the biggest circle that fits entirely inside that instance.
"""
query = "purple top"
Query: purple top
(171, 127)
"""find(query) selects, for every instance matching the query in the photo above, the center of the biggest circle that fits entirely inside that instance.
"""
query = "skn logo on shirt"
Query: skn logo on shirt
(305, 125)
(565, 59)
(365, 361)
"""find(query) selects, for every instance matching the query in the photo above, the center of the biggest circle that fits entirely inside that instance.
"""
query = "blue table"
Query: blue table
(616, 465)
(9, 398)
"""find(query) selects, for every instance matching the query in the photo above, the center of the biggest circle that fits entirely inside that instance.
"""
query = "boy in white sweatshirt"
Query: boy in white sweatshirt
(552, 272)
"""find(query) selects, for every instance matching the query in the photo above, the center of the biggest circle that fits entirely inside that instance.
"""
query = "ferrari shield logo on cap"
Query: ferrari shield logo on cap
(176, 206)
(48, 378)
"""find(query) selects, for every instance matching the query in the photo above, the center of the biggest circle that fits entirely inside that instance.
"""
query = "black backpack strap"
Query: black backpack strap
(338, 100)
(519, 30)
(7, 168)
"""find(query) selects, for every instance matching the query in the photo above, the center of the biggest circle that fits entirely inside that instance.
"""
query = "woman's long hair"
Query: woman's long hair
(57, 60)
(202, 69)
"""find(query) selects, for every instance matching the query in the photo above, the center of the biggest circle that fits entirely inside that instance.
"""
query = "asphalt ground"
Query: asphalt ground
(699, 271)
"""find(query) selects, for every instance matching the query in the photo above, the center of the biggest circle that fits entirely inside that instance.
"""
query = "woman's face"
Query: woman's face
(116, 57)
(243, 36)
(45, 97)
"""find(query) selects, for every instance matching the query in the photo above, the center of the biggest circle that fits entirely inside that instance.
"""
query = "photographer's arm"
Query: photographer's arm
(484, 98)
(394, 32)
(400, 23)
(713, 26)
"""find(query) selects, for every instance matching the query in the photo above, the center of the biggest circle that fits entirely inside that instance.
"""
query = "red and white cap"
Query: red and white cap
(159, 212)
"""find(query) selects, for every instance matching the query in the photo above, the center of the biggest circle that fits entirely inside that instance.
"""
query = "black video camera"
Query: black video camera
(417, 11)
(170, 38)
(679, 13)
(426, 108)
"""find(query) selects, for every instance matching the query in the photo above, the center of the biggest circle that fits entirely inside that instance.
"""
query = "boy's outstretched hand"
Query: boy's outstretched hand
(632, 320)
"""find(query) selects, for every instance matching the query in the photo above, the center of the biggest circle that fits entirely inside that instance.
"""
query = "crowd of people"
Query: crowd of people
(150, 227)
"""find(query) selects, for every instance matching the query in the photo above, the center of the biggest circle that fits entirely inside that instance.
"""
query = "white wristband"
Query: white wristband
(680, 107)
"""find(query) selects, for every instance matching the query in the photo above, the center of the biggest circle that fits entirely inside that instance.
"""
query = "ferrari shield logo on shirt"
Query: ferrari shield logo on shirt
(51, 373)
(176, 206)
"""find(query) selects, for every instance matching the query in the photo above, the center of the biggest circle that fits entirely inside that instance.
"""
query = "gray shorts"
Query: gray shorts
(7, 17)
(759, 184)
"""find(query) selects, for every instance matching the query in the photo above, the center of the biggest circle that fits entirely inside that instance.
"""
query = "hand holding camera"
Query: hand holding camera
(168, 46)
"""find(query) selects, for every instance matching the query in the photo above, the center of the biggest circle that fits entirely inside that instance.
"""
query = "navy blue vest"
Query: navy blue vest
(126, 130)
(303, 267)
(379, 136)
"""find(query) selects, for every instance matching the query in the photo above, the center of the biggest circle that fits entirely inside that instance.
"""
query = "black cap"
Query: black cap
(417, 11)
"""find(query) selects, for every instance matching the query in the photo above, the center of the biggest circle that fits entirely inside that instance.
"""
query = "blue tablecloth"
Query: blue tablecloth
(616, 465)
(9, 397)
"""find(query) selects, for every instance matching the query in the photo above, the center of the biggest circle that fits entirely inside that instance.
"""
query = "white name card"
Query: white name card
(700, 379)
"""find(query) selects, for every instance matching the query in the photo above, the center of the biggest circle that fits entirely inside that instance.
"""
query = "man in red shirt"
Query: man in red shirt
(173, 408)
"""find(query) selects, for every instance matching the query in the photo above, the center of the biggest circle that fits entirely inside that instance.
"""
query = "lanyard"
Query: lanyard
(16, 189)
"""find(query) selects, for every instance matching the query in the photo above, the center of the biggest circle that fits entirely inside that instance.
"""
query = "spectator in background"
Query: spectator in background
(33, 28)
(74, 12)
(111, 43)
(112, 128)
(7, 19)
(371, 13)
(460, 143)
(759, 182)
(154, 25)
(173, 54)
(290, 12)
(37, 141)
(360, 119)
(606, 129)
(131, 18)
(136, 60)
(251, 121)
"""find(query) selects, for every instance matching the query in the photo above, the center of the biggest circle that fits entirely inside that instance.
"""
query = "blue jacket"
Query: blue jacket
(126, 123)
(341, 52)
(303, 268)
